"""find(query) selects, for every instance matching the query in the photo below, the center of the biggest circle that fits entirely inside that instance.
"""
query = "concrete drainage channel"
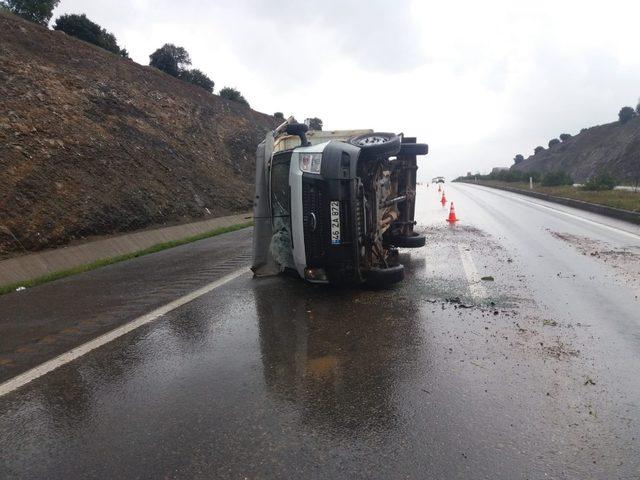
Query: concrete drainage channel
(37, 268)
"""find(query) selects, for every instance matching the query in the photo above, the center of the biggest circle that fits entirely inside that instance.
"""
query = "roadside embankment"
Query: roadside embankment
(619, 204)
(92, 144)
(34, 269)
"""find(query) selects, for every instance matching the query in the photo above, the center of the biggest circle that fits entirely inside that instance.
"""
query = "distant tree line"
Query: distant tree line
(169, 58)
(601, 181)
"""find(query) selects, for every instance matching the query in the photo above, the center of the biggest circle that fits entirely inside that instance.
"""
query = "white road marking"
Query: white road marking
(517, 197)
(71, 355)
(478, 292)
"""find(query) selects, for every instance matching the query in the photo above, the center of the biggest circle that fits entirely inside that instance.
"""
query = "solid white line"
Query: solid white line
(478, 291)
(517, 197)
(71, 355)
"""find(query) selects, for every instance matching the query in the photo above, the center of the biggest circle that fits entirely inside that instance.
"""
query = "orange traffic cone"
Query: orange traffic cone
(443, 200)
(452, 215)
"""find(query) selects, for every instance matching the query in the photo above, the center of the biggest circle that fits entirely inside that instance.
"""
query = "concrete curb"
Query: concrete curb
(26, 267)
(618, 213)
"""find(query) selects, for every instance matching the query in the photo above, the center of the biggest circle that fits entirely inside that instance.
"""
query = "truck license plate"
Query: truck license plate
(335, 223)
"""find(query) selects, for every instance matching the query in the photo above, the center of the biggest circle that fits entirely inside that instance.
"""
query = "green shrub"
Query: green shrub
(538, 149)
(37, 11)
(625, 114)
(81, 27)
(233, 95)
(170, 59)
(314, 123)
(518, 159)
(198, 78)
(565, 136)
(601, 181)
(553, 141)
(556, 178)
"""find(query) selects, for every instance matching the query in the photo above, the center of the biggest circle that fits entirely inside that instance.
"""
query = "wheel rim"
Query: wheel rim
(371, 140)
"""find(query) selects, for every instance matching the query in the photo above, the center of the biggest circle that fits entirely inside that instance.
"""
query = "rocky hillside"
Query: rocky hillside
(614, 147)
(93, 144)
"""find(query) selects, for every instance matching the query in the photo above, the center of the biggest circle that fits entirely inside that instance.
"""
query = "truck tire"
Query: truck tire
(377, 144)
(383, 277)
(411, 241)
(414, 149)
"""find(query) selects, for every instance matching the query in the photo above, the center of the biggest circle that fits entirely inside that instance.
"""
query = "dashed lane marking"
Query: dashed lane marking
(478, 292)
(67, 357)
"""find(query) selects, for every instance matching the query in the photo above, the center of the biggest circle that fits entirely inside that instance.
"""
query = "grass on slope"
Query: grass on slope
(120, 258)
(625, 200)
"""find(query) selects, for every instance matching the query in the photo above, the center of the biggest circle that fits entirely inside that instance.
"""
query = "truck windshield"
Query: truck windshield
(281, 246)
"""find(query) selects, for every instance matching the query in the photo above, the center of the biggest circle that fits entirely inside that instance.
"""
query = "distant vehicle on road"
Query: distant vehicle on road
(437, 180)
(335, 206)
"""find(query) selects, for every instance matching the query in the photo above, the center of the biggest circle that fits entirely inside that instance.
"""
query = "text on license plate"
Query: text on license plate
(335, 222)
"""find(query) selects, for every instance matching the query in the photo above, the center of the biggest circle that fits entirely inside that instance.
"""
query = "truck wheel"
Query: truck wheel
(411, 241)
(377, 144)
(383, 277)
(414, 149)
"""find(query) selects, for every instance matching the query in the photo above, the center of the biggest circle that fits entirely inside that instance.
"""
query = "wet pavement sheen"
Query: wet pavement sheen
(443, 376)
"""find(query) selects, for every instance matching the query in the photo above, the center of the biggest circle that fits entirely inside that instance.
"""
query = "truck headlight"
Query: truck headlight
(315, 275)
(310, 162)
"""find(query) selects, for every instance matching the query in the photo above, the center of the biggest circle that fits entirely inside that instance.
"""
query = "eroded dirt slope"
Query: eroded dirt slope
(614, 147)
(92, 144)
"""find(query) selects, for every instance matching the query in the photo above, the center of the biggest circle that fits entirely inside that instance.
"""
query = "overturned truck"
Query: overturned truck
(335, 206)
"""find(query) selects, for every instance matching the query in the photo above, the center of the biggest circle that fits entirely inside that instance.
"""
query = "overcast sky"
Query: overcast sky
(478, 80)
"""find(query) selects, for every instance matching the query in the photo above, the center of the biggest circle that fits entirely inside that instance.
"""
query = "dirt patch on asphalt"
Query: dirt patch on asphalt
(625, 260)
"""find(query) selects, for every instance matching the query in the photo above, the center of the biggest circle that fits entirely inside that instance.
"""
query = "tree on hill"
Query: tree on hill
(314, 123)
(625, 114)
(278, 116)
(518, 159)
(565, 136)
(638, 109)
(170, 59)
(553, 141)
(81, 27)
(37, 11)
(198, 78)
(538, 149)
(233, 95)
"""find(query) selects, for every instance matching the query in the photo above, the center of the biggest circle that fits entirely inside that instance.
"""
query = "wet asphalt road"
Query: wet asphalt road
(533, 374)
